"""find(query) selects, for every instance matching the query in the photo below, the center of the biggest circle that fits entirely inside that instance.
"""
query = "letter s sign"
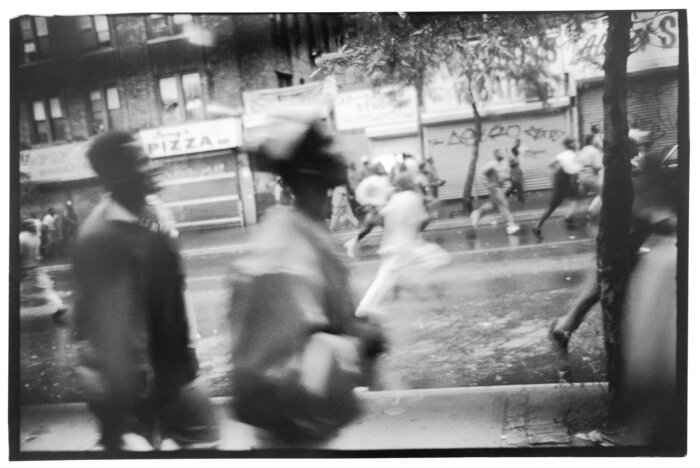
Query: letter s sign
(666, 33)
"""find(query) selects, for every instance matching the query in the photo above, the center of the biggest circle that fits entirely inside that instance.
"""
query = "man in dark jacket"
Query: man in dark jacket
(136, 360)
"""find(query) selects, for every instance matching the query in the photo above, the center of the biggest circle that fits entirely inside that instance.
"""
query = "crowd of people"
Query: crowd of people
(345, 207)
(56, 231)
(300, 343)
(41, 239)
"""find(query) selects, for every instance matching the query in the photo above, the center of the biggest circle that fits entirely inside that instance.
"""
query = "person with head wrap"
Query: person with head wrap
(298, 349)
(137, 363)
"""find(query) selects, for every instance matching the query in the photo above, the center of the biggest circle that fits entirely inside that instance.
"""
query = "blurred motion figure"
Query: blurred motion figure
(298, 349)
(137, 363)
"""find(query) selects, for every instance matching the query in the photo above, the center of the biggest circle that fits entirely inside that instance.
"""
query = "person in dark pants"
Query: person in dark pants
(136, 361)
(566, 169)
(517, 179)
(652, 212)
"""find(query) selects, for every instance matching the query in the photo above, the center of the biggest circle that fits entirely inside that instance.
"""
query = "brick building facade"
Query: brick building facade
(76, 76)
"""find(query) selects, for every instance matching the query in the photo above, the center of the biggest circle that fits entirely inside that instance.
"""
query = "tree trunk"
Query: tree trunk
(421, 130)
(613, 245)
(467, 199)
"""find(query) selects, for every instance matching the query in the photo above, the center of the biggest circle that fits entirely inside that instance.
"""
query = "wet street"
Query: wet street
(484, 322)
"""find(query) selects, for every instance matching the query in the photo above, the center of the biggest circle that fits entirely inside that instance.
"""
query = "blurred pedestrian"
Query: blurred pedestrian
(496, 173)
(434, 181)
(38, 224)
(402, 249)
(653, 210)
(34, 281)
(69, 225)
(283, 196)
(354, 178)
(298, 349)
(341, 212)
(411, 164)
(591, 174)
(425, 186)
(373, 194)
(517, 179)
(49, 233)
(565, 167)
(137, 363)
(366, 170)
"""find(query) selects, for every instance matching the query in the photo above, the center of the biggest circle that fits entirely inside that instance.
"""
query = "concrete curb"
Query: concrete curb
(517, 416)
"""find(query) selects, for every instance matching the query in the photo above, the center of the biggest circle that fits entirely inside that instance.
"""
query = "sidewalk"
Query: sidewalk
(519, 416)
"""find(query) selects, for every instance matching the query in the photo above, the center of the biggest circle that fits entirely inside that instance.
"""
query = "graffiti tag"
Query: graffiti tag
(468, 136)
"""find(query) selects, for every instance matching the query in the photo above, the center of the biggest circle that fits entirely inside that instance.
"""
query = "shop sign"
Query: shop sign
(585, 58)
(387, 105)
(56, 163)
(265, 101)
(192, 138)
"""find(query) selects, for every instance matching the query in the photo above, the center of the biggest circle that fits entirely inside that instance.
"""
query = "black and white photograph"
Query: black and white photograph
(470, 227)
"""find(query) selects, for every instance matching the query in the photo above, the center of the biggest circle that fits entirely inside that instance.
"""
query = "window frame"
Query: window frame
(94, 34)
(108, 117)
(170, 25)
(182, 112)
(41, 43)
(51, 121)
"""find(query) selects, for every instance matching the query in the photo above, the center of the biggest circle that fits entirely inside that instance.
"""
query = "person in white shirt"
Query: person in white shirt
(591, 175)
(496, 173)
(50, 232)
(402, 249)
(566, 169)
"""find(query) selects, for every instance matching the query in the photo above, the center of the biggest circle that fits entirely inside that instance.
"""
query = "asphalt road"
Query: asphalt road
(484, 323)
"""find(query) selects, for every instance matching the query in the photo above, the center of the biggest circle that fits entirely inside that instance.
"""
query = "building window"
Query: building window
(94, 31)
(283, 79)
(105, 110)
(181, 98)
(49, 121)
(280, 33)
(35, 38)
(167, 25)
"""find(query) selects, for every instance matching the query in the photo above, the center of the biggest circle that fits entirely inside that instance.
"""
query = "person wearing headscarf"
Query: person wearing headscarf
(298, 349)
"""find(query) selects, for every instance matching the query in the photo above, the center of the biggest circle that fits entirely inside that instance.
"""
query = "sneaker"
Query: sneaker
(537, 232)
(475, 218)
(512, 229)
(560, 341)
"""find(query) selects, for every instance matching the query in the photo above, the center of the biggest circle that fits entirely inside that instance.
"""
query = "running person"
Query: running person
(496, 173)
(566, 168)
